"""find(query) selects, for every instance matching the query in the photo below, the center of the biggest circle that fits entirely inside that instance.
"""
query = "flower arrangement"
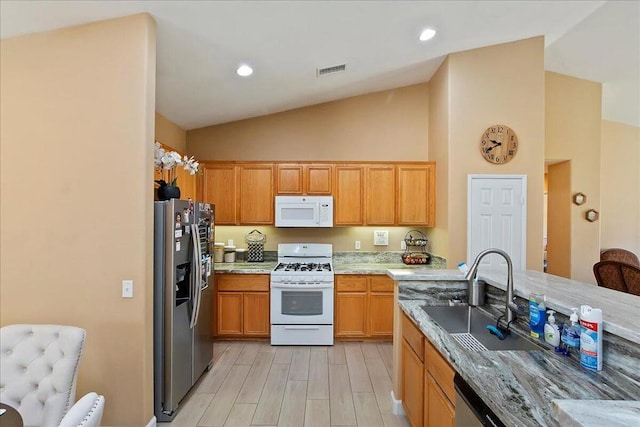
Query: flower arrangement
(168, 161)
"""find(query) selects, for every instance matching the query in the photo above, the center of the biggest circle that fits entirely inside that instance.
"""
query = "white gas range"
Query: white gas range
(302, 295)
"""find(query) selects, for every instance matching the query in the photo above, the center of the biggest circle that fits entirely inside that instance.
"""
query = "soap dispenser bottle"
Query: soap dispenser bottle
(552, 330)
(571, 335)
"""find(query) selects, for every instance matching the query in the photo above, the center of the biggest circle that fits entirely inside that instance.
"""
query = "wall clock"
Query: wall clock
(499, 144)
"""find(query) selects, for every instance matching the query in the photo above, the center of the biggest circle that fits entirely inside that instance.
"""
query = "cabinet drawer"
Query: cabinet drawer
(413, 335)
(351, 283)
(381, 284)
(242, 282)
(440, 369)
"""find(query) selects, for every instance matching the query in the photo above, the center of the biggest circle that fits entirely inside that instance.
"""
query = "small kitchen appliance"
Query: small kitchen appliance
(302, 295)
(304, 211)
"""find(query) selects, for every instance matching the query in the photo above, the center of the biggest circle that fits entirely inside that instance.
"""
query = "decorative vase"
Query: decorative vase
(166, 191)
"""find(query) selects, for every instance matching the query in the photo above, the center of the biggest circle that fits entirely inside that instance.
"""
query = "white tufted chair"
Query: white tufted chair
(38, 373)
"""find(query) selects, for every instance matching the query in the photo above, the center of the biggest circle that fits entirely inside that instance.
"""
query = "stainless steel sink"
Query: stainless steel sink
(469, 327)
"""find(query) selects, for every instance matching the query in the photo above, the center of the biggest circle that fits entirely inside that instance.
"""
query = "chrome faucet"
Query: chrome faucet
(510, 307)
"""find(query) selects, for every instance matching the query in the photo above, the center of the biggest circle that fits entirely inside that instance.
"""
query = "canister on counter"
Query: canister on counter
(241, 255)
(229, 253)
(218, 252)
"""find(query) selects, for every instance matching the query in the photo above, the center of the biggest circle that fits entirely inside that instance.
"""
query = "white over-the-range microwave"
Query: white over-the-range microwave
(304, 211)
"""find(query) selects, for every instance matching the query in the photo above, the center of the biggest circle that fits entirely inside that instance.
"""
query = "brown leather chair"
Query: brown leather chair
(631, 275)
(617, 275)
(622, 255)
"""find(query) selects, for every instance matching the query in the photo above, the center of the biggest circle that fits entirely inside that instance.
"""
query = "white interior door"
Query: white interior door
(496, 218)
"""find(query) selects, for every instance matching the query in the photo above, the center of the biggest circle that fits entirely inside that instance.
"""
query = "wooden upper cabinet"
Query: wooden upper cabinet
(380, 193)
(416, 195)
(186, 183)
(348, 195)
(303, 179)
(317, 179)
(256, 193)
(289, 178)
(219, 188)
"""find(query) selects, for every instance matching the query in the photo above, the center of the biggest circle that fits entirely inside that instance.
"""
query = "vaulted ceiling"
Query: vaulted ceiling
(201, 43)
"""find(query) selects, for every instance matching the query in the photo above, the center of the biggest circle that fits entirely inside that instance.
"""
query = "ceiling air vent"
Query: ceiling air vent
(330, 70)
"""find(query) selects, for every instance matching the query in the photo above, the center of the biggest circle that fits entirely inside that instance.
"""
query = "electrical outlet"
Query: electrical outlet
(403, 245)
(127, 289)
(357, 244)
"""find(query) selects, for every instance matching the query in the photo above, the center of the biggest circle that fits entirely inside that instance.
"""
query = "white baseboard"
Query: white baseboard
(396, 405)
(152, 422)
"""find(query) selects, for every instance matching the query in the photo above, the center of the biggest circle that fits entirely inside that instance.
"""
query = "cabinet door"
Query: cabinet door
(219, 188)
(186, 183)
(416, 195)
(289, 179)
(380, 193)
(256, 314)
(412, 385)
(351, 314)
(348, 195)
(256, 194)
(439, 411)
(380, 314)
(318, 179)
(229, 313)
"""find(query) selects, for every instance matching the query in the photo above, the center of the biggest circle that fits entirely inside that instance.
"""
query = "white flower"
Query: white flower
(169, 160)
(191, 165)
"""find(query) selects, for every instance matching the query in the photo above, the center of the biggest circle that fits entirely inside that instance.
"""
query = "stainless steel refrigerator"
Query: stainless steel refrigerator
(183, 300)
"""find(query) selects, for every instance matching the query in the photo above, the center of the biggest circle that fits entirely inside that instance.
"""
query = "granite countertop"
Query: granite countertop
(620, 310)
(520, 386)
(574, 413)
(339, 268)
(244, 267)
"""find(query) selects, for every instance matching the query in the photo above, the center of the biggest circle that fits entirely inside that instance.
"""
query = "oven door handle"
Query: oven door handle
(313, 287)
(302, 327)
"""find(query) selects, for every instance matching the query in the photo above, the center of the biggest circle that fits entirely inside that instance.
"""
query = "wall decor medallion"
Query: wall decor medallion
(579, 199)
(592, 215)
(499, 144)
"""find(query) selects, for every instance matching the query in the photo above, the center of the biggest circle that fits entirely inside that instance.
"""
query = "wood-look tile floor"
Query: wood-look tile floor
(255, 384)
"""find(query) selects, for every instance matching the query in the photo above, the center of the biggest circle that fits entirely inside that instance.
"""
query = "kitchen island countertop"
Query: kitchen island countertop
(536, 388)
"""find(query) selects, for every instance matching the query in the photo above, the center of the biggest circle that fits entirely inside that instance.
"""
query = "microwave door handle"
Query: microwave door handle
(317, 213)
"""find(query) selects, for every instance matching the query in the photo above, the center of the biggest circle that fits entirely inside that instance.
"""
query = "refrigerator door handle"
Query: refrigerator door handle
(195, 277)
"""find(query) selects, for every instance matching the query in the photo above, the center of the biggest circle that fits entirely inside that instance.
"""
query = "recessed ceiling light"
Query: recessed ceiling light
(244, 71)
(427, 34)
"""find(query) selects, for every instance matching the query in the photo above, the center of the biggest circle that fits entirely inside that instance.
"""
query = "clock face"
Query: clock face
(499, 144)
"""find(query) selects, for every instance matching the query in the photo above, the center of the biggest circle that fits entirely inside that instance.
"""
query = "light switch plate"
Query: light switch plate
(381, 238)
(127, 289)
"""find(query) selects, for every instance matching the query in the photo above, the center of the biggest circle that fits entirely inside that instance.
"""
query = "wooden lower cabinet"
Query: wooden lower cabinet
(255, 308)
(229, 313)
(428, 394)
(242, 305)
(439, 412)
(363, 306)
(351, 314)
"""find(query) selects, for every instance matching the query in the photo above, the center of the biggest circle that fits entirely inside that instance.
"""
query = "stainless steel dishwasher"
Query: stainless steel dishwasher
(471, 411)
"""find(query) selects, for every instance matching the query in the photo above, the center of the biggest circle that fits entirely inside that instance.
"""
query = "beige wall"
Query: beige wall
(76, 188)
(342, 238)
(559, 235)
(170, 133)
(501, 84)
(388, 125)
(439, 152)
(572, 128)
(620, 187)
